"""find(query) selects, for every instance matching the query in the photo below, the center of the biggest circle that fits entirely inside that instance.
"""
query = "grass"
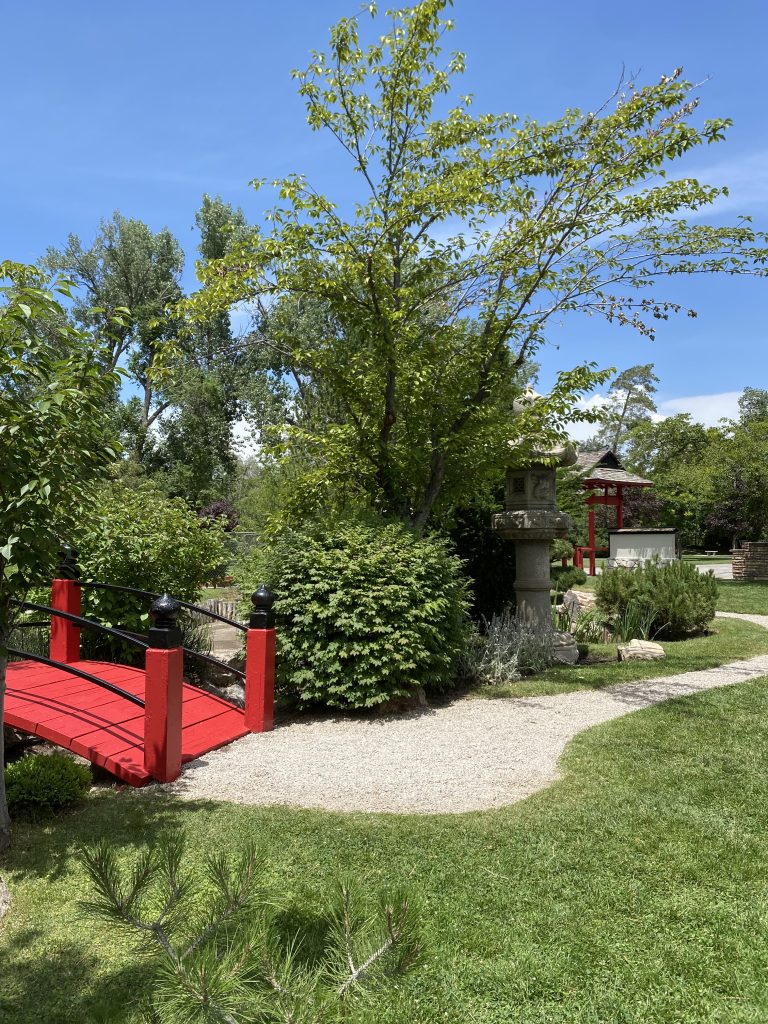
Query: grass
(223, 593)
(729, 640)
(738, 596)
(631, 892)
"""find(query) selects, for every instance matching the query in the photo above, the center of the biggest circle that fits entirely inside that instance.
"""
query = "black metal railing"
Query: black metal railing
(148, 593)
(79, 620)
(80, 673)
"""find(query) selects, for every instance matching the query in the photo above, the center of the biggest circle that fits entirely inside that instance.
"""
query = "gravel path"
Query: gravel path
(470, 755)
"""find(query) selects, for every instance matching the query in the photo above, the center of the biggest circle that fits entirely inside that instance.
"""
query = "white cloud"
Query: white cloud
(706, 409)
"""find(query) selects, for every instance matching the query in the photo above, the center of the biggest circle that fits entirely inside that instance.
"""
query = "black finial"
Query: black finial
(262, 616)
(68, 567)
(164, 632)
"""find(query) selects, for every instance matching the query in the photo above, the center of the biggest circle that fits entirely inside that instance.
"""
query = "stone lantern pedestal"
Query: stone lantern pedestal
(531, 519)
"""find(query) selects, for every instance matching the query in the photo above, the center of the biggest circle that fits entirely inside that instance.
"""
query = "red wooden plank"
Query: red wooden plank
(214, 732)
(103, 727)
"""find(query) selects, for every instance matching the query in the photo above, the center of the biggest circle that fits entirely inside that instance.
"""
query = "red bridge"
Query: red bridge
(139, 724)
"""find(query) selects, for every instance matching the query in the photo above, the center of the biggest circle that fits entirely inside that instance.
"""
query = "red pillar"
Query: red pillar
(163, 693)
(162, 713)
(65, 635)
(591, 522)
(260, 663)
(619, 507)
(260, 679)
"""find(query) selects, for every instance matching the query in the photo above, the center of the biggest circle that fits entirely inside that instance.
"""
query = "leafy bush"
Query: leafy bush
(366, 611)
(45, 782)
(682, 599)
(138, 538)
(510, 646)
(221, 510)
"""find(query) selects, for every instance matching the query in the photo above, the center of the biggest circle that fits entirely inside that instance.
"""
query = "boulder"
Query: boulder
(565, 650)
(640, 650)
(576, 602)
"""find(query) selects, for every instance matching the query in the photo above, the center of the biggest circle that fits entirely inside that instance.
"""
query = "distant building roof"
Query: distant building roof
(603, 467)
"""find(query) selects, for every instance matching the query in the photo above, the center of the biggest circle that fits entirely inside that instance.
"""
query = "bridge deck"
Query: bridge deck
(104, 727)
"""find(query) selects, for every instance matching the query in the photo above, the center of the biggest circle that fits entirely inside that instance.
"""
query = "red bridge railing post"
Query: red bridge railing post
(65, 597)
(163, 692)
(260, 663)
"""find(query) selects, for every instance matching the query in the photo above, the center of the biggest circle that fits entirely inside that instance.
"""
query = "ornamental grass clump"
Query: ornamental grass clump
(366, 611)
(509, 648)
(678, 599)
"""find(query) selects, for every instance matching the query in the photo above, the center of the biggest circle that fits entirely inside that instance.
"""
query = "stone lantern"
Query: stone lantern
(531, 519)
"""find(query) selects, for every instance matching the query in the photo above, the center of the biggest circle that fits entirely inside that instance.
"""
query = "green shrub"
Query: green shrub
(45, 782)
(564, 579)
(675, 599)
(365, 610)
(138, 538)
(560, 549)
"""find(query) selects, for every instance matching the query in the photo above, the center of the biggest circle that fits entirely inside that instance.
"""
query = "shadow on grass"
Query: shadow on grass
(129, 819)
(67, 982)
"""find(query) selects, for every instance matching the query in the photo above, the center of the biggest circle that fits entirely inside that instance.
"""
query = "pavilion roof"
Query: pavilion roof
(603, 467)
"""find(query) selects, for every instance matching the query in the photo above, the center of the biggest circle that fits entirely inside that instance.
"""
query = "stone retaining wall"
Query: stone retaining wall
(750, 561)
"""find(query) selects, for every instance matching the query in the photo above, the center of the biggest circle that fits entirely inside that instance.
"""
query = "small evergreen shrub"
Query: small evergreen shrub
(560, 549)
(366, 611)
(681, 599)
(564, 579)
(45, 782)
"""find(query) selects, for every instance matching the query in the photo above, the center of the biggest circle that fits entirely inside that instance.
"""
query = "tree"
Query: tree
(193, 450)
(630, 402)
(54, 395)
(467, 236)
(675, 454)
(131, 270)
(753, 405)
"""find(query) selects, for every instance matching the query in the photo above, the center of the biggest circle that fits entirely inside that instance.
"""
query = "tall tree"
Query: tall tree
(131, 269)
(753, 405)
(455, 243)
(194, 449)
(54, 391)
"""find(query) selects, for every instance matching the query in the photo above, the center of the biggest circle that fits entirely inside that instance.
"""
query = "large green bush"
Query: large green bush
(366, 611)
(680, 598)
(45, 782)
(138, 538)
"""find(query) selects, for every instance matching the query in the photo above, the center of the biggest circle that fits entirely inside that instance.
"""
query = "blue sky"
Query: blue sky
(143, 106)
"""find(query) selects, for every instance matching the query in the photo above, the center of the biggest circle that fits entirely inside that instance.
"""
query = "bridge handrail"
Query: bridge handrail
(80, 621)
(79, 672)
(150, 593)
(204, 657)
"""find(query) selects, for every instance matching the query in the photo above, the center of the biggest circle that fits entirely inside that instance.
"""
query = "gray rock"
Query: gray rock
(565, 650)
(576, 602)
(640, 650)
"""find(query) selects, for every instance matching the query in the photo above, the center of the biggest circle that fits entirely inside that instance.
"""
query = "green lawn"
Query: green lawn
(632, 892)
(730, 640)
(736, 596)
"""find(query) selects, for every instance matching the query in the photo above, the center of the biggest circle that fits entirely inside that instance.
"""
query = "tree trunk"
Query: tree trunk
(5, 818)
